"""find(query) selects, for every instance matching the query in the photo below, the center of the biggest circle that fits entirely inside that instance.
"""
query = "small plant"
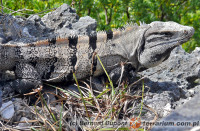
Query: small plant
(111, 108)
(106, 106)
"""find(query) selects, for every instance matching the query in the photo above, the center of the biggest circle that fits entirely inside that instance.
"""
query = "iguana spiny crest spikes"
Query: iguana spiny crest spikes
(56, 58)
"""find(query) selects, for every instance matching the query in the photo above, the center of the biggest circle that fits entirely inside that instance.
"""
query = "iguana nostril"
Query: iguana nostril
(185, 32)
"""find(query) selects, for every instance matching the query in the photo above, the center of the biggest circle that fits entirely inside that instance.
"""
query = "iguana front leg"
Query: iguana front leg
(27, 78)
(121, 72)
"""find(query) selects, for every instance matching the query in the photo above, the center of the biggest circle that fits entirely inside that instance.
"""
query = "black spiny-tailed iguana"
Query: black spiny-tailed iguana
(56, 59)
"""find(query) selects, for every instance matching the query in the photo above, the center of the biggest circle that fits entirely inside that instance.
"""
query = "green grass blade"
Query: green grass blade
(111, 83)
(103, 92)
(60, 122)
(52, 115)
(142, 99)
(81, 94)
(33, 129)
(65, 91)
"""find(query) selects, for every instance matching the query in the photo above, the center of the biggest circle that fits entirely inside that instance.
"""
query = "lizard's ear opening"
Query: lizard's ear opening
(155, 48)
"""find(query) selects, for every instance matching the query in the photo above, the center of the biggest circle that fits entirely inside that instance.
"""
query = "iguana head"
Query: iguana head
(159, 40)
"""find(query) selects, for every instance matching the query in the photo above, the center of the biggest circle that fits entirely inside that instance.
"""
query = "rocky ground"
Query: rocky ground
(167, 87)
(175, 86)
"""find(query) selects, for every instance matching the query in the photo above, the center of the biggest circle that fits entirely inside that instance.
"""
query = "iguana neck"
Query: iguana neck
(124, 43)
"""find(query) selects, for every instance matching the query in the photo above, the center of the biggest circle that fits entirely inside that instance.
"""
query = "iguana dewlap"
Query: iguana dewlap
(55, 59)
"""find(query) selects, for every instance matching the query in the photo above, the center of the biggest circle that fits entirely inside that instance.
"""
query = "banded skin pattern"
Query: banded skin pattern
(55, 59)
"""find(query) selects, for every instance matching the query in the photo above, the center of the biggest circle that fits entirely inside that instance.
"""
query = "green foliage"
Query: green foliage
(116, 13)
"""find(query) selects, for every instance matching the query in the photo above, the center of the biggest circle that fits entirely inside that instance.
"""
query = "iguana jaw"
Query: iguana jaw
(159, 40)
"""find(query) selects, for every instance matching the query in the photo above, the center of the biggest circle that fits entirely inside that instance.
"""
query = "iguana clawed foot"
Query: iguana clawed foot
(121, 73)
(27, 78)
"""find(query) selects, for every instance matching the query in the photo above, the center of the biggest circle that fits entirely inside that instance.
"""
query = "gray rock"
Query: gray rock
(7, 75)
(64, 21)
(11, 28)
(2, 38)
(72, 88)
(21, 110)
(7, 110)
(26, 124)
(85, 25)
(62, 17)
(187, 114)
(36, 28)
(174, 81)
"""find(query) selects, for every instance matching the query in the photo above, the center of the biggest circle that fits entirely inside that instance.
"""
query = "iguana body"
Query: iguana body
(55, 60)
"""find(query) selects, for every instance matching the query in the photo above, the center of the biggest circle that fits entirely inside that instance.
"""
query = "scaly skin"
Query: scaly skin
(55, 60)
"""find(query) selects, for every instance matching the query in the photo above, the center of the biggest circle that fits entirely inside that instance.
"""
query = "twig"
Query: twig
(122, 73)
(10, 97)
(45, 11)
(96, 102)
(6, 8)
(28, 121)
(20, 10)
(155, 118)
(135, 82)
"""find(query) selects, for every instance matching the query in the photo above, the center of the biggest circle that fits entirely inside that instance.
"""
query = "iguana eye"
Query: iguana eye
(168, 34)
(159, 36)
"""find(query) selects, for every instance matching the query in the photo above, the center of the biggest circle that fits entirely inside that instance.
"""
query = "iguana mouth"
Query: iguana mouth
(188, 35)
